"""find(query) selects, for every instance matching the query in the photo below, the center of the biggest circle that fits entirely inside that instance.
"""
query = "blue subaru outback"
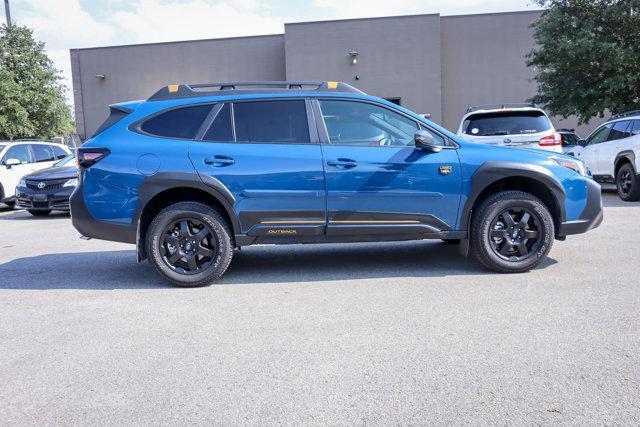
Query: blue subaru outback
(196, 171)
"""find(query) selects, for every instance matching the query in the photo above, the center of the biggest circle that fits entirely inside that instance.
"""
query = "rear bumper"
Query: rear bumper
(89, 226)
(592, 215)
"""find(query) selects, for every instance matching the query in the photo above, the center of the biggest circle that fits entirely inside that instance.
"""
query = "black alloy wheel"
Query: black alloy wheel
(514, 234)
(627, 183)
(188, 246)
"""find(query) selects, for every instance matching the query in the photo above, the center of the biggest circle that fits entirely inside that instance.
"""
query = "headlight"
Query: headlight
(22, 183)
(71, 183)
(576, 165)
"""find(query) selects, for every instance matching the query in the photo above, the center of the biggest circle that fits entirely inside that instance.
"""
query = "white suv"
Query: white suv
(515, 125)
(612, 152)
(19, 158)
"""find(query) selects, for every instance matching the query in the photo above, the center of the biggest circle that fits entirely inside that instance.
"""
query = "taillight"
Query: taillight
(551, 140)
(88, 156)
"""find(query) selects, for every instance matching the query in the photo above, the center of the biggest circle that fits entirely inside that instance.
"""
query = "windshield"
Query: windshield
(67, 161)
(506, 123)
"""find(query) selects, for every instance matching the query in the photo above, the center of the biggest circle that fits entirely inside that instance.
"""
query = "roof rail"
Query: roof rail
(501, 106)
(223, 88)
(627, 114)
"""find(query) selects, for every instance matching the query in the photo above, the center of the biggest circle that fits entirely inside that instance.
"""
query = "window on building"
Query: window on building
(220, 129)
(271, 121)
(181, 122)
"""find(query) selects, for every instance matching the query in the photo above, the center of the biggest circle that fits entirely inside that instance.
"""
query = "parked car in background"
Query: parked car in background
(196, 171)
(513, 125)
(19, 158)
(48, 189)
(612, 152)
(570, 140)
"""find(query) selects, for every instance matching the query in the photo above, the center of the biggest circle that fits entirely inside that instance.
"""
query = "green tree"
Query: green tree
(588, 57)
(32, 102)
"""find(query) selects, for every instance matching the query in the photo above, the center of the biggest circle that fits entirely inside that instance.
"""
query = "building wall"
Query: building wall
(437, 65)
(398, 57)
(137, 71)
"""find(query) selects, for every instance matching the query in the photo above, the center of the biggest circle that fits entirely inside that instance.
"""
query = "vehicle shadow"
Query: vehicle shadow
(610, 199)
(254, 265)
(21, 215)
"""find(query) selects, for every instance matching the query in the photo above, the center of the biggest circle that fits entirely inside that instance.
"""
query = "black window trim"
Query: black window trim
(324, 134)
(215, 110)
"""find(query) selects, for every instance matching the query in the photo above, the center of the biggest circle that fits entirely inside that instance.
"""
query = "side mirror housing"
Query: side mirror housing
(425, 141)
(582, 143)
(11, 162)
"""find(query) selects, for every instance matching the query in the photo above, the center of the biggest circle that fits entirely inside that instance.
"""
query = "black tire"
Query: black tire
(512, 245)
(628, 183)
(11, 204)
(189, 244)
(37, 212)
(451, 241)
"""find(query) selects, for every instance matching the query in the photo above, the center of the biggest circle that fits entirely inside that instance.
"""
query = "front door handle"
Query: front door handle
(343, 163)
(219, 161)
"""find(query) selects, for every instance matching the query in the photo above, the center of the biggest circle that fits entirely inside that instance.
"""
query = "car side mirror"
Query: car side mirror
(11, 162)
(582, 143)
(425, 141)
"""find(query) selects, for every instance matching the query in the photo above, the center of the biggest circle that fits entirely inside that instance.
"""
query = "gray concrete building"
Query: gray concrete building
(428, 63)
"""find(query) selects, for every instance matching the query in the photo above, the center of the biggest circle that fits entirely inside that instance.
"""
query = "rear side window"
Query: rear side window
(115, 115)
(59, 152)
(271, 121)
(620, 130)
(181, 122)
(220, 129)
(506, 123)
(43, 153)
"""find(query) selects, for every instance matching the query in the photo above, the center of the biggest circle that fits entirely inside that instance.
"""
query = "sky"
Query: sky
(67, 24)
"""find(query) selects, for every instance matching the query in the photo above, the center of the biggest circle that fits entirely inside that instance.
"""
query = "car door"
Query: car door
(378, 182)
(11, 175)
(589, 154)
(609, 149)
(266, 154)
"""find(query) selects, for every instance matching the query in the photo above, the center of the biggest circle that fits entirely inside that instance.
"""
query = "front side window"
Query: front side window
(635, 127)
(183, 122)
(620, 130)
(42, 153)
(59, 152)
(18, 152)
(364, 124)
(599, 135)
(506, 123)
(283, 121)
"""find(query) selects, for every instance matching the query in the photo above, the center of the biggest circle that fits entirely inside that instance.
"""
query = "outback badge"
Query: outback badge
(446, 170)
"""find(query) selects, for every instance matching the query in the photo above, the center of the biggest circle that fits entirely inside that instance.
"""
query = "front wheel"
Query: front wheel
(189, 244)
(628, 184)
(511, 232)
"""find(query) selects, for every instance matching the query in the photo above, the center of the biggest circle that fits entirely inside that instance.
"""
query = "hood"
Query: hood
(55, 172)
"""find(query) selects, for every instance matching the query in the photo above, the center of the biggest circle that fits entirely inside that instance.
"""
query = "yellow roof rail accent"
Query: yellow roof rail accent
(173, 88)
(332, 85)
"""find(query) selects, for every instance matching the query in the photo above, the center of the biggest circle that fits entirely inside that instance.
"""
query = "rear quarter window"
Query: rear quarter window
(182, 122)
(506, 123)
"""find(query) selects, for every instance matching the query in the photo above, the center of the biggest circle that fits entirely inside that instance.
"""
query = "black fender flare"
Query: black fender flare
(153, 185)
(491, 172)
(627, 154)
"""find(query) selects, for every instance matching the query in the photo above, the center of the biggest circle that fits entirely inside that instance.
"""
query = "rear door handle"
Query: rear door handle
(343, 163)
(219, 161)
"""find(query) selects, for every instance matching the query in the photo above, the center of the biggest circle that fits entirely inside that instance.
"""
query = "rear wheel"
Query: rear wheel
(189, 244)
(38, 212)
(511, 232)
(628, 183)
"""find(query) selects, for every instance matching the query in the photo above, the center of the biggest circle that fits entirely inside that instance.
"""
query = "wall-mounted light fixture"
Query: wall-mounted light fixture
(354, 56)
(101, 76)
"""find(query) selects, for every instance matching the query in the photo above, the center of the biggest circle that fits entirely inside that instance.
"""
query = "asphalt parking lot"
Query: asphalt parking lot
(329, 334)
